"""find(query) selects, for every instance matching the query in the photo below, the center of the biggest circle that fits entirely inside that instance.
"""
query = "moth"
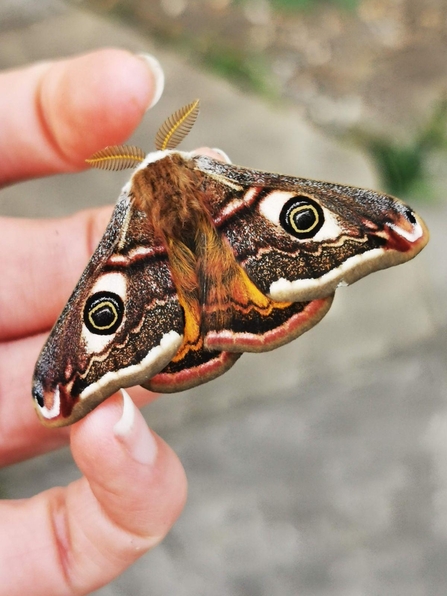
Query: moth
(203, 260)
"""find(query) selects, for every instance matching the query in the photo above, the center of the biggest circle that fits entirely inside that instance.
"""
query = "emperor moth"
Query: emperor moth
(203, 260)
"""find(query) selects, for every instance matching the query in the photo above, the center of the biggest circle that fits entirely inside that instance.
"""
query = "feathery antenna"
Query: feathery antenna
(175, 128)
(116, 157)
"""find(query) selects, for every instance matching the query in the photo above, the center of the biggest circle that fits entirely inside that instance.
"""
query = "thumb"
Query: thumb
(86, 534)
(133, 491)
(53, 115)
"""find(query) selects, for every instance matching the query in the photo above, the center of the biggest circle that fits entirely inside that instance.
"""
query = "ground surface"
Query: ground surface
(318, 469)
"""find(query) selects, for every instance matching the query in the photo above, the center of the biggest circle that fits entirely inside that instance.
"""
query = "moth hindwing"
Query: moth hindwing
(203, 260)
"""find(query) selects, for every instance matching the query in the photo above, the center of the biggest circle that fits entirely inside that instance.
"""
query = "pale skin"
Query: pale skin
(71, 540)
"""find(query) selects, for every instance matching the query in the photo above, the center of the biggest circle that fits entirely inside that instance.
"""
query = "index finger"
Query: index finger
(46, 258)
(54, 115)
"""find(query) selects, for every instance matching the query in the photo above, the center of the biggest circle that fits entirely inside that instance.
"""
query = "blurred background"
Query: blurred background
(319, 469)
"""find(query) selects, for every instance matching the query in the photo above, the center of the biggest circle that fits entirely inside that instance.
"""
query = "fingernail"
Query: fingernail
(158, 75)
(223, 154)
(132, 431)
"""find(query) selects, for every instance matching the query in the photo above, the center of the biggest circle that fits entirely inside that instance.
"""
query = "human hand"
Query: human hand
(78, 538)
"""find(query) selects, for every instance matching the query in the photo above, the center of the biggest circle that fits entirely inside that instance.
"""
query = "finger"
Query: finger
(214, 153)
(22, 436)
(45, 260)
(134, 489)
(54, 115)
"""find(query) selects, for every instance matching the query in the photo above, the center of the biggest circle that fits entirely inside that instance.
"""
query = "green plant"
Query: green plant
(301, 5)
(241, 67)
(403, 167)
